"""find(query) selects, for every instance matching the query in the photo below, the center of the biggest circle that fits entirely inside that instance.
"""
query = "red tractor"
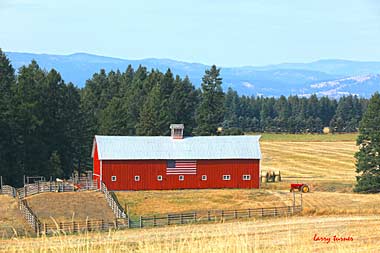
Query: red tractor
(300, 187)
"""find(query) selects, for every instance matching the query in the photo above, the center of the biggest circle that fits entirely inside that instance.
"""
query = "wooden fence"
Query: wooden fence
(69, 226)
(81, 226)
(212, 215)
(113, 203)
(52, 186)
(30, 216)
(8, 190)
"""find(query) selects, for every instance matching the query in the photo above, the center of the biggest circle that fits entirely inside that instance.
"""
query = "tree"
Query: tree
(150, 114)
(210, 113)
(368, 156)
(55, 167)
(7, 136)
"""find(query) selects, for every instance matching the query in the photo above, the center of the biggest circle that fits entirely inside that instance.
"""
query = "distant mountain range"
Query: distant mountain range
(332, 78)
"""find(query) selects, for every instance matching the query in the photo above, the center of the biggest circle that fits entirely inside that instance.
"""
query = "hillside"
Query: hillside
(273, 80)
(70, 206)
(11, 221)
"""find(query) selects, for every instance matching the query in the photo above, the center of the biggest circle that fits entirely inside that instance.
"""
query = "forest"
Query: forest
(47, 126)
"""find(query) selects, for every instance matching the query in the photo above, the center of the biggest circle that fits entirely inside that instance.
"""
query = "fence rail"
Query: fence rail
(52, 186)
(8, 190)
(30, 216)
(213, 215)
(82, 226)
(113, 203)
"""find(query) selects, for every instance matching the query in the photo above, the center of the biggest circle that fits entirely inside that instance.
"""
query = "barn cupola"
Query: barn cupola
(177, 131)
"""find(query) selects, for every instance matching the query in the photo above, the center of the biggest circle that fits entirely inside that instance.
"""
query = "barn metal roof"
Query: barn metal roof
(166, 148)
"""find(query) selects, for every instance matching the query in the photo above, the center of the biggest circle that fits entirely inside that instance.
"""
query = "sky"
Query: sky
(222, 32)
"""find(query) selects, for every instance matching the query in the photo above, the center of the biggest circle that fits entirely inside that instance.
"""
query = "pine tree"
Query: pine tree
(368, 156)
(150, 114)
(55, 167)
(210, 113)
(7, 136)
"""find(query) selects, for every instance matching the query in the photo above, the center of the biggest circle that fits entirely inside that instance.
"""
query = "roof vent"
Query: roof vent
(177, 131)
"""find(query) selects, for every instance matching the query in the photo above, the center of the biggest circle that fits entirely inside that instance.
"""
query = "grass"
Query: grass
(11, 221)
(70, 206)
(294, 234)
(162, 202)
(307, 137)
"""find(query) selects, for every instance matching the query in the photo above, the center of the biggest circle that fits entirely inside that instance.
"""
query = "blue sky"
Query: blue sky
(222, 32)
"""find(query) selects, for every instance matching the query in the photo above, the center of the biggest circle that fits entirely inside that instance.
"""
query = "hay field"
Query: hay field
(11, 221)
(70, 206)
(326, 162)
(294, 234)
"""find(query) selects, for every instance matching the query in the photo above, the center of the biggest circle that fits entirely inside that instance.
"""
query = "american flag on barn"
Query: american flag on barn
(181, 167)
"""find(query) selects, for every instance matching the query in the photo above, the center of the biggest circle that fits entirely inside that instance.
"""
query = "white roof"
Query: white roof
(166, 148)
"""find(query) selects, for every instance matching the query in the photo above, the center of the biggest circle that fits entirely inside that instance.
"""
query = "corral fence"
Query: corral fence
(113, 203)
(69, 226)
(81, 226)
(29, 215)
(54, 186)
(212, 215)
(8, 190)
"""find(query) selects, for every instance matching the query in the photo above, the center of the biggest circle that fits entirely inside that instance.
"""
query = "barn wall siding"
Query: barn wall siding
(148, 170)
(96, 174)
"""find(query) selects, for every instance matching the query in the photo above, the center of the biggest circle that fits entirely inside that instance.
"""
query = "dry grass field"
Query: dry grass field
(294, 234)
(70, 206)
(11, 221)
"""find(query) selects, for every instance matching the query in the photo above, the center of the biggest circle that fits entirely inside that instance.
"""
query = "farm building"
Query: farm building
(175, 162)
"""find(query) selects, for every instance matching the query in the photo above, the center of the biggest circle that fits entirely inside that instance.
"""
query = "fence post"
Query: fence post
(195, 216)
(45, 229)
(129, 221)
(275, 211)
(208, 216)
(116, 224)
(222, 214)
(301, 202)
(235, 214)
(168, 219)
(181, 218)
(262, 212)
(249, 212)
(102, 225)
(154, 221)
(141, 222)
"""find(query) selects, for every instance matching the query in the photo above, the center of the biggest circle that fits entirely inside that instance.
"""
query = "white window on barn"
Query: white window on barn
(181, 178)
(246, 177)
(113, 178)
(226, 177)
(137, 178)
(204, 177)
(159, 178)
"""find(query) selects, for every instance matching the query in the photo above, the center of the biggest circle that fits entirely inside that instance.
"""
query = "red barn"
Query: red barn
(174, 162)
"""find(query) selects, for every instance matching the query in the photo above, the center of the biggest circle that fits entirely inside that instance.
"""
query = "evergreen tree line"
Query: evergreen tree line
(47, 126)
